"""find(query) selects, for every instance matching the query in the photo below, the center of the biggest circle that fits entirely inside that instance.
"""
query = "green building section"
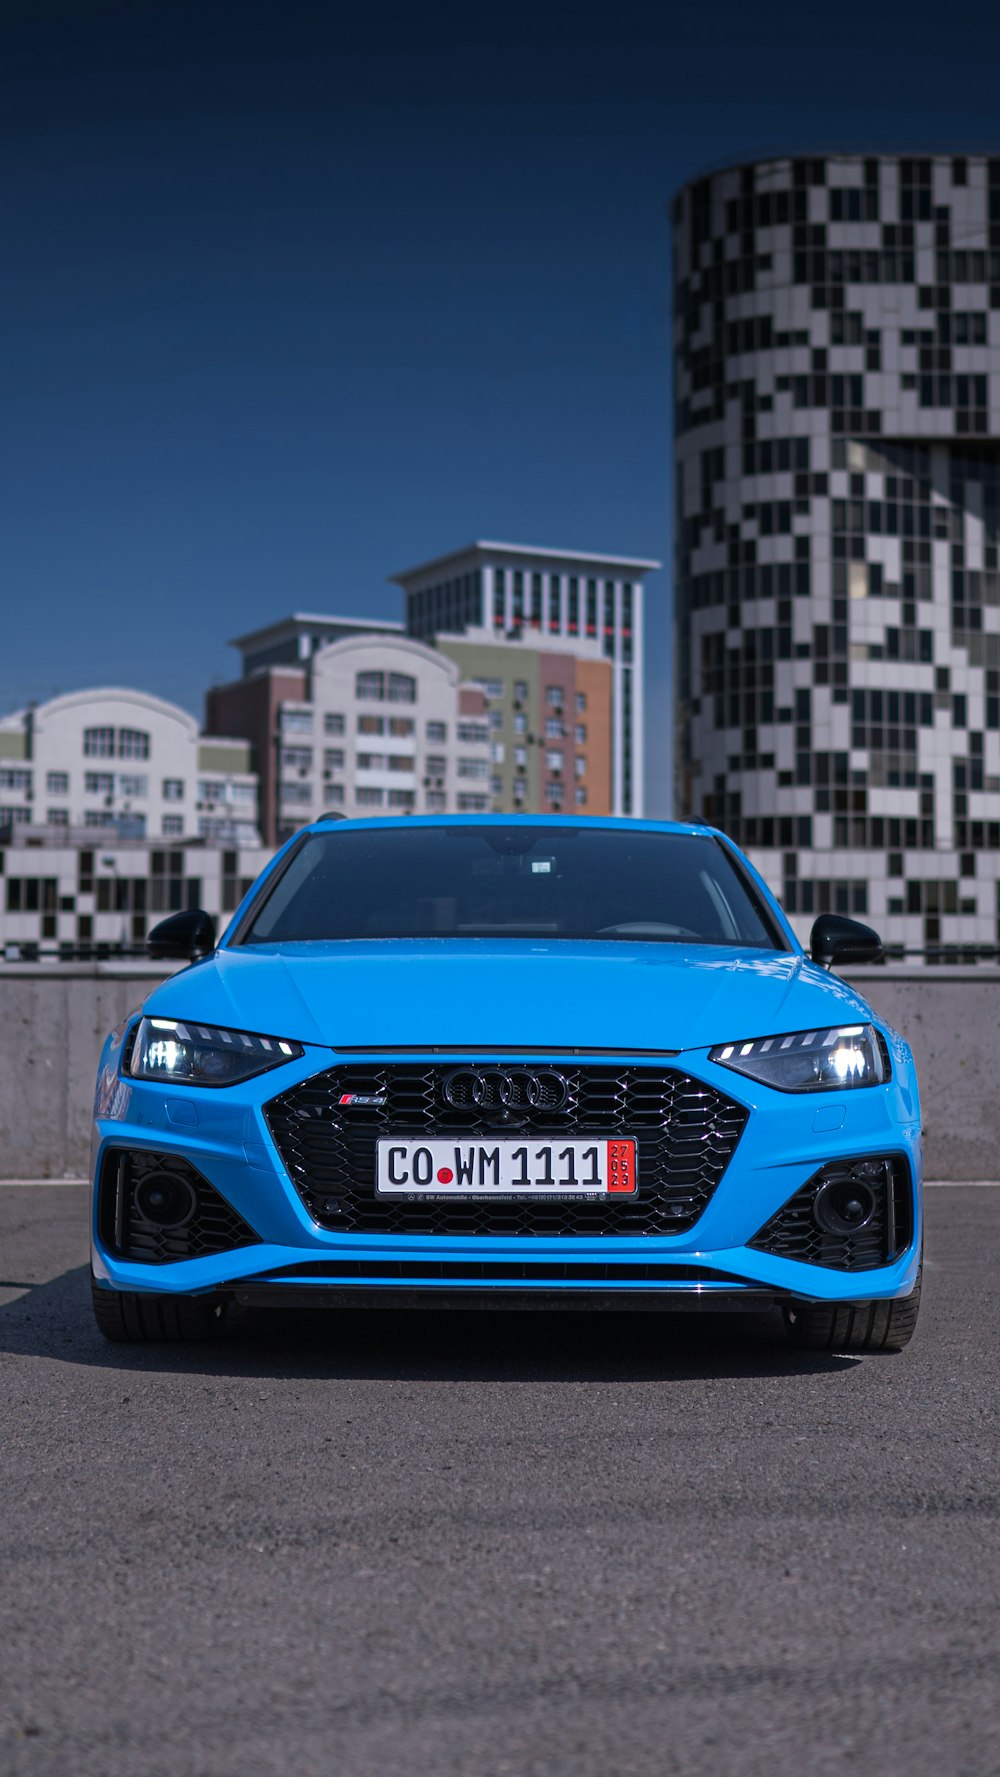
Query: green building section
(511, 681)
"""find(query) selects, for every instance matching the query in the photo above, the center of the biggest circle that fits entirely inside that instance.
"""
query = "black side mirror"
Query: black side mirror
(189, 935)
(835, 939)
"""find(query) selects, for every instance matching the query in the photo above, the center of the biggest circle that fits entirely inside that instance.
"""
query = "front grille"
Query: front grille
(685, 1133)
(207, 1223)
(795, 1233)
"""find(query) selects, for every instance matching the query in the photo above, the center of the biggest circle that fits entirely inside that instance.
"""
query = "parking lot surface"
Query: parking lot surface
(558, 1545)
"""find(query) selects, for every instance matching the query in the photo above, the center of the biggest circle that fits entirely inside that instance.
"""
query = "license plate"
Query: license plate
(594, 1166)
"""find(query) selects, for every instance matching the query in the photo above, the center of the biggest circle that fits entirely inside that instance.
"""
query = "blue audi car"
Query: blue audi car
(499, 1061)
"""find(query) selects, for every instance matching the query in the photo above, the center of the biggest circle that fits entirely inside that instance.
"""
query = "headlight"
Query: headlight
(834, 1060)
(203, 1054)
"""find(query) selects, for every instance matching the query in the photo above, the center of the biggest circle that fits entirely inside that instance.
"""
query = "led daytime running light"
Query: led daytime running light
(838, 1058)
(179, 1053)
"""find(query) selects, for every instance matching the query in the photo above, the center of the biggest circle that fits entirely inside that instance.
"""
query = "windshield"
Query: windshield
(511, 882)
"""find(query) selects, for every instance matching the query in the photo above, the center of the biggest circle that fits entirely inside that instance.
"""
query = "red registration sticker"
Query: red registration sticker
(621, 1166)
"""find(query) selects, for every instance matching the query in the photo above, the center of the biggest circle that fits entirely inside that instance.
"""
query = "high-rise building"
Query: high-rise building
(588, 606)
(837, 391)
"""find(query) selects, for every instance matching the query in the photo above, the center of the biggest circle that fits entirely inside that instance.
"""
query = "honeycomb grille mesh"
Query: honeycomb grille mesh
(792, 1233)
(685, 1133)
(213, 1227)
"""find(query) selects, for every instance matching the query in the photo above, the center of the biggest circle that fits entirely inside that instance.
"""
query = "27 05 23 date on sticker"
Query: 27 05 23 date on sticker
(588, 1166)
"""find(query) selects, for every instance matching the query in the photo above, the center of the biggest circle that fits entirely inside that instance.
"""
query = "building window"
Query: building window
(521, 758)
(627, 620)
(436, 800)
(473, 733)
(333, 724)
(172, 826)
(581, 702)
(334, 794)
(368, 797)
(609, 617)
(133, 743)
(581, 734)
(14, 777)
(292, 793)
(473, 768)
(519, 790)
(592, 607)
(581, 795)
(499, 594)
(130, 784)
(402, 688)
(173, 789)
(211, 790)
(297, 758)
(402, 726)
(554, 728)
(402, 799)
(436, 765)
(554, 623)
(58, 817)
(489, 687)
(555, 696)
(581, 765)
(554, 761)
(333, 759)
(371, 761)
(95, 817)
(573, 615)
(296, 722)
(554, 795)
(520, 724)
(99, 743)
(536, 601)
(437, 732)
(57, 783)
(473, 804)
(496, 786)
(401, 762)
(99, 783)
(371, 724)
(521, 690)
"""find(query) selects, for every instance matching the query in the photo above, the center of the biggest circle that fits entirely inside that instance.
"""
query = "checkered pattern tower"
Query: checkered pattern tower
(837, 459)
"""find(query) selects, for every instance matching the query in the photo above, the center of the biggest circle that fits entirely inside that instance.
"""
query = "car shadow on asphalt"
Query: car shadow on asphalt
(54, 1320)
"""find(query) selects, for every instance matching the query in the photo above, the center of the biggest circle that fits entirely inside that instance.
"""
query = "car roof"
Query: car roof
(609, 823)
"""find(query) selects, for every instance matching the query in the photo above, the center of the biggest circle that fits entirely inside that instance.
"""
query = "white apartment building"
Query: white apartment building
(121, 764)
(384, 732)
(372, 724)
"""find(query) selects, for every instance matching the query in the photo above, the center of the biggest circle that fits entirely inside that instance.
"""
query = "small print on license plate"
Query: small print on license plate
(594, 1166)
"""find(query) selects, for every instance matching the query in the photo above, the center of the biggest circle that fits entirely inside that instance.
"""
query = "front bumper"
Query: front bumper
(224, 1135)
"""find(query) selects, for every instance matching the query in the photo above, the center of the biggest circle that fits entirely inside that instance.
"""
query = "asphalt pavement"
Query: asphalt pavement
(544, 1545)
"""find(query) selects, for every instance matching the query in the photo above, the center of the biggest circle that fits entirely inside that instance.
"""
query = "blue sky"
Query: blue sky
(298, 295)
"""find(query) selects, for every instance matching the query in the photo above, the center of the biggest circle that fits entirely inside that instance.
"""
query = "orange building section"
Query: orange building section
(593, 681)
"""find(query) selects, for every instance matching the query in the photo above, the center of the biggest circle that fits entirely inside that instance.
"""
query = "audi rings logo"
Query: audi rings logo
(505, 1089)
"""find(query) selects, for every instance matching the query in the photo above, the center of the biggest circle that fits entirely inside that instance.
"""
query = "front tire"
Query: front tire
(853, 1326)
(128, 1317)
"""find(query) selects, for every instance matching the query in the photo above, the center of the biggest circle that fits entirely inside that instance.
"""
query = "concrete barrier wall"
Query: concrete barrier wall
(53, 1021)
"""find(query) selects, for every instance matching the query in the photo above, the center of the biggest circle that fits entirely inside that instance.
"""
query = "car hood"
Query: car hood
(521, 994)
